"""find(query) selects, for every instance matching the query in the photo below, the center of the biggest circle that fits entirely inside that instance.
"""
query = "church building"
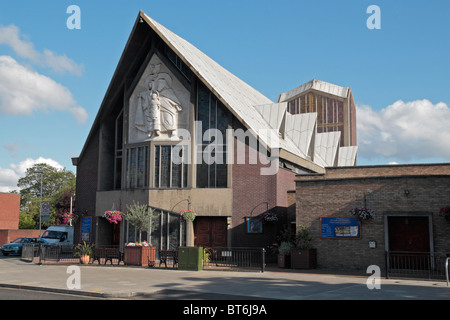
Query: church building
(177, 131)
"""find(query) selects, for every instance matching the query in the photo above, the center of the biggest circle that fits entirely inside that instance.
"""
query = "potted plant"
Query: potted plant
(284, 254)
(363, 213)
(140, 253)
(113, 216)
(268, 217)
(445, 212)
(189, 217)
(303, 256)
(84, 251)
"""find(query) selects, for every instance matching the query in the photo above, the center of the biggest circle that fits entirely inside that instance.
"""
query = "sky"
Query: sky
(53, 77)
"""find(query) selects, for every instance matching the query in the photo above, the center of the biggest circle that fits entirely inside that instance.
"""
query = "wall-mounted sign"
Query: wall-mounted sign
(340, 227)
(254, 225)
(86, 227)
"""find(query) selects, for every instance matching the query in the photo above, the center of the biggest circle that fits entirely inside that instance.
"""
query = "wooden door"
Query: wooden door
(210, 232)
(409, 234)
(115, 234)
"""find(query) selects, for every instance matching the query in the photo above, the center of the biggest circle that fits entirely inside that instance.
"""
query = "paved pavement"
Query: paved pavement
(124, 282)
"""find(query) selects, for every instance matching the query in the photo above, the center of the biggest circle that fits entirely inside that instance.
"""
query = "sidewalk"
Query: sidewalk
(122, 282)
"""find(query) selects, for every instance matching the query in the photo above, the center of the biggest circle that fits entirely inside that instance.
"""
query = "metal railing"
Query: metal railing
(415, 265)
(446, 269)
(107, 254)
(44, 253)
(231, 259)
(234, 259)
(29, 252)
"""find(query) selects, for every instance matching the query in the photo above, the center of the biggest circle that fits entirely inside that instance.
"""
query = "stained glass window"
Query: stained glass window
(212, 171)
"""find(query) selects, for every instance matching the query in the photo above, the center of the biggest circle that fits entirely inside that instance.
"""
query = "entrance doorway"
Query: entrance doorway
(410, 250)
(210, 232)
(409, 234)
(115, 234)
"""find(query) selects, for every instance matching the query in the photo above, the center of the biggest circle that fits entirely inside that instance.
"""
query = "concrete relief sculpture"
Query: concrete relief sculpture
(158, 107)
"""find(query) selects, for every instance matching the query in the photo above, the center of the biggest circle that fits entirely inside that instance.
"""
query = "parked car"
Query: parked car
(15, 247)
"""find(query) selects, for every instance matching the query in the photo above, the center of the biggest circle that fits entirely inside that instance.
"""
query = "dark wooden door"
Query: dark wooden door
(409, 234)
(115, 234)
(210, 232)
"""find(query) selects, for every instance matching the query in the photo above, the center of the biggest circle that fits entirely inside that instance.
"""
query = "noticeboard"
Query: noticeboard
(340, 228)
(86, 227)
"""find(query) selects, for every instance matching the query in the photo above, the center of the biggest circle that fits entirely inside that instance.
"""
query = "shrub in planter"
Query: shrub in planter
(303, 256)
(284, 255)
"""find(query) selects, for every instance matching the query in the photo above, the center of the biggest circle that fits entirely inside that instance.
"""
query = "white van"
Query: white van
(62, 235)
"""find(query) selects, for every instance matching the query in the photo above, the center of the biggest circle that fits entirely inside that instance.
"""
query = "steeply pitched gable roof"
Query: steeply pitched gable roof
(254, 110)
(250, 106)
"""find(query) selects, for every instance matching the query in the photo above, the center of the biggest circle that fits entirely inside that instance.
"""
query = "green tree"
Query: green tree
(62, 203)
(55, 182)
(140, 216)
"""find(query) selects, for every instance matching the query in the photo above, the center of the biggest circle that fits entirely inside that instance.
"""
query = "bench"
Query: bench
(168, 254)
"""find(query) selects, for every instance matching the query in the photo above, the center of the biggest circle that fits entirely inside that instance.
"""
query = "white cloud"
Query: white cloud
(404, 131)
(23, 91)
(10, 176)
(62, 64)
(10, 36)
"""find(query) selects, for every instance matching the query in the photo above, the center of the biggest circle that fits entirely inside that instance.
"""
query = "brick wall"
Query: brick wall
(382, 188)
(250, 192)
(9, 211)
(87, 177)
(6, 236)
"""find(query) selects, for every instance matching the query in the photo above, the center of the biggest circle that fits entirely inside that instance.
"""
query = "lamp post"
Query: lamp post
(40, 202)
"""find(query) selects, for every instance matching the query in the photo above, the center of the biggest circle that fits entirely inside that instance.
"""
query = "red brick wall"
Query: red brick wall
(382, 188)
(87, 177)
(6, 236)
(9, 211)
(250, 191)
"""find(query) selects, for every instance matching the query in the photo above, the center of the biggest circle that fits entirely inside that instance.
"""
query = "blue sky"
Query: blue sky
(399, 74)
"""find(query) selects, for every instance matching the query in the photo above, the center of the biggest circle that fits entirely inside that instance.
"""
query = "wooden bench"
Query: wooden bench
(168, 254)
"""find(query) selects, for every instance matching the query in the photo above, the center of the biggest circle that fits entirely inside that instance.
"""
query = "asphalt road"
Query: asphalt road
(21, 294)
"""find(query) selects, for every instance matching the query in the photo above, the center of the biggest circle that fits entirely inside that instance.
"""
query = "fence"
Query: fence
(234, 259)
(228, 259)
(49, 253)
(415, 265)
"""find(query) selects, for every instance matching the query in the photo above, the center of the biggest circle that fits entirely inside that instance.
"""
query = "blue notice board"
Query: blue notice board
(86, 227)
(340, 227)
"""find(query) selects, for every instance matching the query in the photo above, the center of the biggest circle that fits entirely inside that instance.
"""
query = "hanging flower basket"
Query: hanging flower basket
(113, 216)
(188, 215)
(363, 213)
(445, 212)
(67, 217)
(268, 217)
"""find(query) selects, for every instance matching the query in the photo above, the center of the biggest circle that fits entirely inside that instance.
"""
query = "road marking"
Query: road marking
(92, 291)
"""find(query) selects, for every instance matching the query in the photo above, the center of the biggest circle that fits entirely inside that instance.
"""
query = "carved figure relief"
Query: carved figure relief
(158, 107)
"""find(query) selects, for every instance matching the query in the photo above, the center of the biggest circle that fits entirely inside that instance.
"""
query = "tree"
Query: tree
(62, 203)
(55, 183)
(140, 217)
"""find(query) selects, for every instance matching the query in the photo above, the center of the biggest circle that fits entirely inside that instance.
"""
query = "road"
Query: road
(21, 294)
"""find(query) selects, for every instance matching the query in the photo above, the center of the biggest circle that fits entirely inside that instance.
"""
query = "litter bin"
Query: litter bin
(190, 258)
